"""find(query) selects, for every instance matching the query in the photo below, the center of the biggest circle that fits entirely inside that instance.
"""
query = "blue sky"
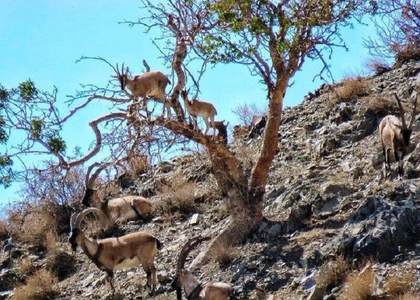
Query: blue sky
(42, 40)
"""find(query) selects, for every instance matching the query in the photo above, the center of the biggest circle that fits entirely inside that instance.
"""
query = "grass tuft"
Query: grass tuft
(39, 286)
(359, 285)
(333, 273)
(224, 253)
(178, 197)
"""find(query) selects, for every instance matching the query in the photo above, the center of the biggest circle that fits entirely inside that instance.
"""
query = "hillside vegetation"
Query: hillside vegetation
(333, 227)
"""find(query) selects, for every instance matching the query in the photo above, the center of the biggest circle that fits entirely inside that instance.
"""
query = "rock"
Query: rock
(194, 219)
(317, 292)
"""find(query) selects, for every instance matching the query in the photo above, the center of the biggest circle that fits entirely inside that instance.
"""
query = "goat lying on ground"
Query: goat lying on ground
(192, 288)
(119, 210)
(200, 108)
(109, 254)
(151, 84)
(395, 137)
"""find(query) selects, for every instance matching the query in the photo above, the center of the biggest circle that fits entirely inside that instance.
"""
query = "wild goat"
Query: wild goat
(200, 108)
(109, 254)
(192, 288)
(119, 210)
(395, 136)
(151, 84)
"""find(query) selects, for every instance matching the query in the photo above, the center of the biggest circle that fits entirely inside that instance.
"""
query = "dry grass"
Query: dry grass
(399, 284)
(333, 273)
(138, 164)
(359, 285)
(223, 253)
(409, 296)
(377, 66)
(350, 88)
(60, 263)
(32, 224)
(38, 286)
(178, 197)
(406, 53)
(4, 233)
(24, 267)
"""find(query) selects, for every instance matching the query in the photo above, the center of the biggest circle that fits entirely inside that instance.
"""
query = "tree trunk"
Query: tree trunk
(244, 199)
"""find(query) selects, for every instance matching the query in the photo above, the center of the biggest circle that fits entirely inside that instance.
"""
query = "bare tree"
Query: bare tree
(397, 24)
(245, 113)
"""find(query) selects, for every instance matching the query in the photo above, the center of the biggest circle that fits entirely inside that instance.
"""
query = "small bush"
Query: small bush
(4, 233)
(359, 285)
(38, 287)
(24, 267)
(178, 196)
(60, 263)
(333, 273)
(31, 223)
(406, 53)
(409, 296)
(350, 88)
(399, 284)
(378, 66)
(224, 253)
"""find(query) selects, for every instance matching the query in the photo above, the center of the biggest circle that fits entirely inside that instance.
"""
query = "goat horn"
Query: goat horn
(72, 219)
(401, 110)
(82, 214)
(186, 249)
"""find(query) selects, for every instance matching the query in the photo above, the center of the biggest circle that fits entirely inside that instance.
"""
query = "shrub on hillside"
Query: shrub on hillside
(359, 284)
(39, 286)
(178, 196)
(4, 232)
(224, 253)
(378, 66)
(399, 284)
(350, 88)
(60, 263)
(31, 223)
(408, 52)
(333, 273)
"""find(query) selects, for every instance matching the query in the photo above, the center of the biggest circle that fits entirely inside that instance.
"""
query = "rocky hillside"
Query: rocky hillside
(330, 216)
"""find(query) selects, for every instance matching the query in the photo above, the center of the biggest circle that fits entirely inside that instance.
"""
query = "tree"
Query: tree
(245, 113)
(271, 38)
(397, 24)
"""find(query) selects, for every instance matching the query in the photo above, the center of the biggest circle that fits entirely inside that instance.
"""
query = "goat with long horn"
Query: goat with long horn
(192, 288)
(151, 84)
(395, 137)
(117, 210)
(109, 254)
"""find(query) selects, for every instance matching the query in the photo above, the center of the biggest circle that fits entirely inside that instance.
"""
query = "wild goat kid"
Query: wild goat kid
(151, 84)
(200, 108)
(395, 137)
(109, 254)
(192, 288)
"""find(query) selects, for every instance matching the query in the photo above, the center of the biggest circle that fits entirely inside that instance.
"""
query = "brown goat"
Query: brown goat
(192, 288)
(395, 137)
(109, 254)
(200, 108)
(148, 85)
(119, 210)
